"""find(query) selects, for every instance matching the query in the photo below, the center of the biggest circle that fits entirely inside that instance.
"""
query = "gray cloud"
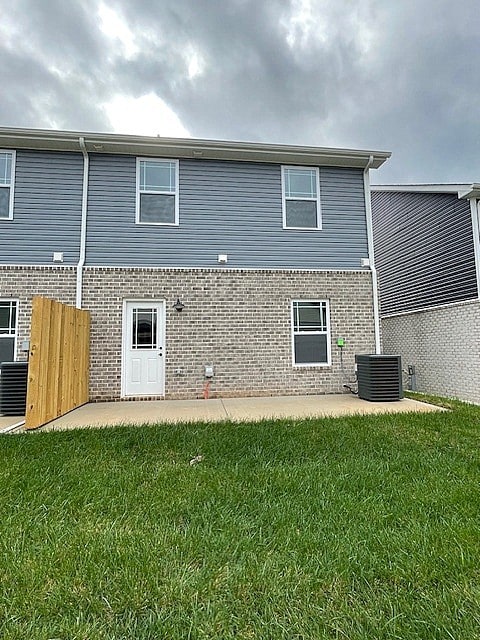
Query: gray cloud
(398, 76)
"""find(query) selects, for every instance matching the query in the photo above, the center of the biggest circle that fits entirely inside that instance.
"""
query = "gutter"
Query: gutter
(83, 226)
(188, 148)
(371, 253)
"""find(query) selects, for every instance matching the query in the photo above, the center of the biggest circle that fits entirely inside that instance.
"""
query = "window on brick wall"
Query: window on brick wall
(157, 191)
(310, 332)
(8, 329)
(7, 175)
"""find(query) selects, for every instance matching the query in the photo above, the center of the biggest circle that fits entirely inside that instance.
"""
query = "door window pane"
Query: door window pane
(144, 329)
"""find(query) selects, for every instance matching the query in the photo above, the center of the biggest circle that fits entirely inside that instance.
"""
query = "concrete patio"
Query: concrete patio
(243, 409)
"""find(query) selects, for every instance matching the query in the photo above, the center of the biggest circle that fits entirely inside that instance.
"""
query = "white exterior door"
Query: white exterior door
(143, 348)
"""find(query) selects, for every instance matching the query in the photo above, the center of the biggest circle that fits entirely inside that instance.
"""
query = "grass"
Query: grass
(356, 528)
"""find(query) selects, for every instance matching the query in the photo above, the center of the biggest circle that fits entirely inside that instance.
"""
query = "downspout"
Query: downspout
(475, 211)
(83, 226)
(371, 253)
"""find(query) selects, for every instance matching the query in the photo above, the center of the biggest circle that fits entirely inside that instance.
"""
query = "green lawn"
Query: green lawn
(365, 527)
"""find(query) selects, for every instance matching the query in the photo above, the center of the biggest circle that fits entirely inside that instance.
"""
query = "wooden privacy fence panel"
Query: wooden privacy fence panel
(59, 361)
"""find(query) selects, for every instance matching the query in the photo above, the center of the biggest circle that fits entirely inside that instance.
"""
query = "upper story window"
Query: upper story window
(301, 198)
(310, 332)
(157, 191)
(7, 173)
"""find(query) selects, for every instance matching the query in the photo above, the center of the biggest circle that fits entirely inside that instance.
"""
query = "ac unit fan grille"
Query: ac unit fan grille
(379, 377)
(13, 388)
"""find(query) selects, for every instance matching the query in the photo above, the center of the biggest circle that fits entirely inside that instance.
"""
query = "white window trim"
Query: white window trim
(303, 365)
(15, 336)
(317, 200)
(11, 185)
(167, 193)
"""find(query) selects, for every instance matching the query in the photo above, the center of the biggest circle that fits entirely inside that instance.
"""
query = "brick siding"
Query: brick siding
(444, 346)
(237, 320)
(22, 283)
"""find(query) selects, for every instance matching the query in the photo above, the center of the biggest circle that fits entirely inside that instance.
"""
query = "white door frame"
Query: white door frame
(162, 319)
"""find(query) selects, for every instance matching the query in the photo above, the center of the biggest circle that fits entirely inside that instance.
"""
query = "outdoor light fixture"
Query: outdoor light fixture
(178, 306)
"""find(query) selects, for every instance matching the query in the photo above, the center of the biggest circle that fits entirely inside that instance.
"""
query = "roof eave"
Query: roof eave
(473, 191)
(462, 190)
(420, 188)
(188, 148)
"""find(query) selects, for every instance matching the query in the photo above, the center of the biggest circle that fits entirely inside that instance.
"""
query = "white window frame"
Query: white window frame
(327, 333)
(164, 193)
(317, 199)
(11, 185)
(15, 335)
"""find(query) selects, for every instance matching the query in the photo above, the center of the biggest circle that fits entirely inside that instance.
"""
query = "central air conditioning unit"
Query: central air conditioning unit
(379, 377)
(13, 388)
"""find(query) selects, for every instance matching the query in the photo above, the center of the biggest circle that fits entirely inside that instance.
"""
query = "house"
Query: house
(228, 263)
(427, 251)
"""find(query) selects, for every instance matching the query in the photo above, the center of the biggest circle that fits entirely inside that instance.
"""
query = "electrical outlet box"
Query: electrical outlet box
(208, 371)
(340, 343)
(57, 256)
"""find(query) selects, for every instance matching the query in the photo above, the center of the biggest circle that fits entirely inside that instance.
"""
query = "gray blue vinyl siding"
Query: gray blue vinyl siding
(232, 208)
(47, 209)
(424, 250)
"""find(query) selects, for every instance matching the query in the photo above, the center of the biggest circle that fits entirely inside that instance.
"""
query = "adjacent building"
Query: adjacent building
(427, 251)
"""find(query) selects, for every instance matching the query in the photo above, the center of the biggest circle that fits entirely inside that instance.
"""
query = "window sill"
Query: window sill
(157, 224)
(313, 365)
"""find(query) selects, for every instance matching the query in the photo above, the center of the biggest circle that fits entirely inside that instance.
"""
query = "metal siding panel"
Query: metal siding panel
(47, 209)
(423, 250)
(225, 207)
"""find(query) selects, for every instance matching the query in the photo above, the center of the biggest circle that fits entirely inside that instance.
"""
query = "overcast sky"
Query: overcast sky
(396, 75)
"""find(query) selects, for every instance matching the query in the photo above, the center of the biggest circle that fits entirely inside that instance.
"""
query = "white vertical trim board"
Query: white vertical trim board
(475, 211)
(83, 225)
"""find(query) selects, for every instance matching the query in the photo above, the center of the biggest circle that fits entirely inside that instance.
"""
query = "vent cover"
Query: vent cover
(13, 388)
(379, 377)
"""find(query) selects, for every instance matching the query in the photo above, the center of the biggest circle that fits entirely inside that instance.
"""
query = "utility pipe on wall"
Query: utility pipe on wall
(371, 253)
(83, 226)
